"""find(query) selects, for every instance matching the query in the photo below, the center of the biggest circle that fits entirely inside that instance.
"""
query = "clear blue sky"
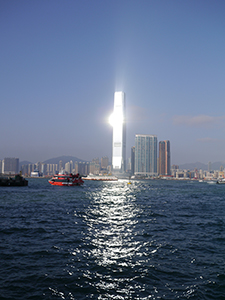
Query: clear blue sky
(62, 61)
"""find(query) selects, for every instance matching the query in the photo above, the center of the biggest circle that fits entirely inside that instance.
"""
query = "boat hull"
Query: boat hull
(13, 183)
(17, 181)
(220, 182)
(66, 180)
(65, 183)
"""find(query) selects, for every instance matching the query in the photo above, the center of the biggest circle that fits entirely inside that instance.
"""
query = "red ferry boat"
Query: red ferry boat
(62, 179)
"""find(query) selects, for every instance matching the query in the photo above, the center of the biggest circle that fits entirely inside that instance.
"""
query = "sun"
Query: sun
(115, 119)
(112, 119)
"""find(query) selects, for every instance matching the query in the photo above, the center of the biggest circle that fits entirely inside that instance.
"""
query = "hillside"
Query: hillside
(64, 159)
(204, 167)
(55, 160)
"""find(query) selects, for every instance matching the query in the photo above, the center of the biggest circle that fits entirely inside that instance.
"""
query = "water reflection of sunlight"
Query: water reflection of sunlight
(113, 258)
(111, 221)
(125, 246)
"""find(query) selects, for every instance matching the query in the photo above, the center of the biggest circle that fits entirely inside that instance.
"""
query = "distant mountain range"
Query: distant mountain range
(55, 160)
(187, 166)
(64, 159)
(204, 167)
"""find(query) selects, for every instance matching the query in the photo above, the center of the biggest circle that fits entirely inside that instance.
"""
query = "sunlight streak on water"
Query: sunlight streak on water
(112, 236)
(110, 240)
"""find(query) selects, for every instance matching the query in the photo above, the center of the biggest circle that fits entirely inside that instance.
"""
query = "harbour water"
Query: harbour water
(150, 239)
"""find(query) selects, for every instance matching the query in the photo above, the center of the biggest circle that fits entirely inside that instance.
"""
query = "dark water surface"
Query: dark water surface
(111, 240)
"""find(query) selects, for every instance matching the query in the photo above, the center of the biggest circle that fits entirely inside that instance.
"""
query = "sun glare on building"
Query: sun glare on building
(117, 120)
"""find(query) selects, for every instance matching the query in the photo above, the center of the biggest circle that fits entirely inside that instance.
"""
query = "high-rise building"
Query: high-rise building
(164, 158)
(29, 169)
(44, 168)
(132, 160)
(95, 160)
(10, 165)
(60, 165)
(145, 155)
(119, 134)
(71, 166)
(67, 167)
(104, 162)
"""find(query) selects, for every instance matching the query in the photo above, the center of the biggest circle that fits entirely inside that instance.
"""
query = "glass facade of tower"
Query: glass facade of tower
(119, 134)
(145, 155)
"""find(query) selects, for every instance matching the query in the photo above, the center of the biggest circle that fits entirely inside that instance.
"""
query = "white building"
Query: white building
(67, 167)
(119, 133)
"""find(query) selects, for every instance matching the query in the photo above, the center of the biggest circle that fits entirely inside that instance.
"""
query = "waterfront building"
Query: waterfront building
(81, 167)
(60, 165)
(164, 158)
(95, 160)
(94, 167)
(132, 160)
(24, 169)
(43, 169)
(119, 134)
(10, 165)
(71, 166)
(175, 167)
(145, 155)
(104, 162)
(38, 166)
(76, 167)
(128, 164)
(54, 168)
(49, 169)
(67, 167)
(30, 169)
(174, 170)
(87, 168)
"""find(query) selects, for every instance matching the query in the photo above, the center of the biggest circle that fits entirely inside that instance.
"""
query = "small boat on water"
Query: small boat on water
(18, 180)
(221, 181)
(212, 182)
(63, 179)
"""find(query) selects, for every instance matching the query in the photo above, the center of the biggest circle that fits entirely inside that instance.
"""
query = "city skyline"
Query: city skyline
(62, 62)
(144, 154)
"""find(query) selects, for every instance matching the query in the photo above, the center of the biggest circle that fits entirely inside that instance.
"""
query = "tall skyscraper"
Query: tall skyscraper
(119, 134)
(132, 160)
(145, 155)
(164, 158)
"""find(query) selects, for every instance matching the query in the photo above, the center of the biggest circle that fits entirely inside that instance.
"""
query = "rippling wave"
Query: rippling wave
(110, 240)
